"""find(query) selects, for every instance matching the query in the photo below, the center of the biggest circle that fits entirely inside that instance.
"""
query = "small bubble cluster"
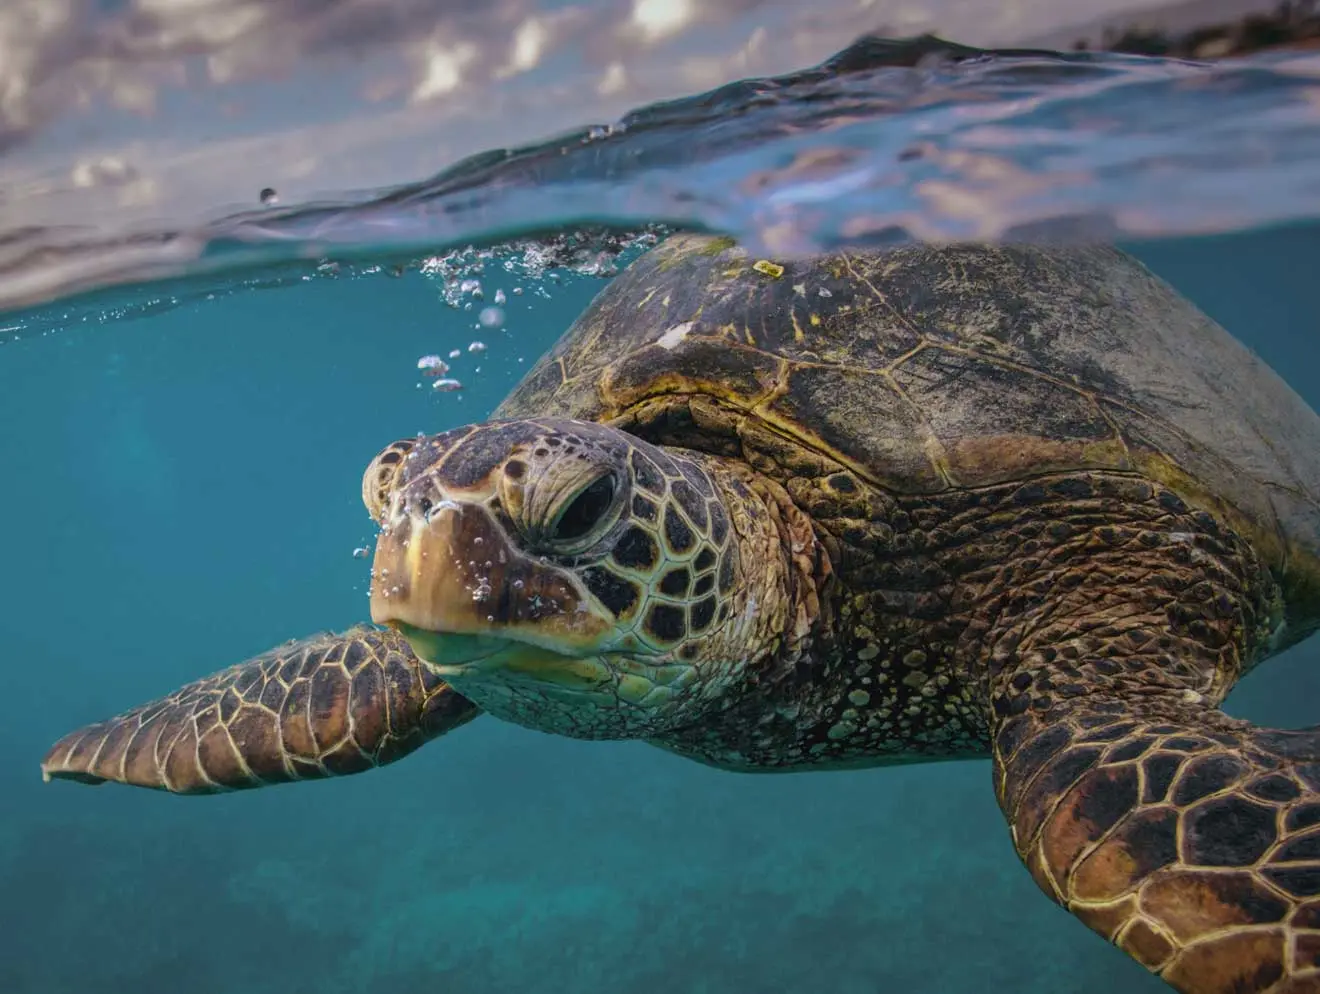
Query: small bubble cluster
(468, 277)
(462, 274)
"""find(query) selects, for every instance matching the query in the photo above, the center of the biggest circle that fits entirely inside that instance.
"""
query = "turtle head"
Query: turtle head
(569, 576)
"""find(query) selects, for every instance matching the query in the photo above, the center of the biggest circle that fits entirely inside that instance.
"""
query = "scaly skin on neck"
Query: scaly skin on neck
(782, 607)
(934, 595)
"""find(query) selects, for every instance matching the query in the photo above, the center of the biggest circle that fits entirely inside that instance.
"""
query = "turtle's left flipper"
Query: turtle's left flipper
(1188, 838)
(325, 706)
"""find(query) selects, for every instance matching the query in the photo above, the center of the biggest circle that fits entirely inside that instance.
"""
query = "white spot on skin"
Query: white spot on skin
(746, 617)
(674, 335)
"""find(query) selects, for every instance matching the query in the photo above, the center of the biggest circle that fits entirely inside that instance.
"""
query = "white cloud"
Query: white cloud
(658, 19)
(108, 170)
(445, 65)
(529, 44)
(613, 80)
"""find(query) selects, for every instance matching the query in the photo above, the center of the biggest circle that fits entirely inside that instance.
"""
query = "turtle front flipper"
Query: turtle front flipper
(324, 706)
(1189, 839)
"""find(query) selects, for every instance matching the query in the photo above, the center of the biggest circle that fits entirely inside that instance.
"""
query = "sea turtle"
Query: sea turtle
(913, 504)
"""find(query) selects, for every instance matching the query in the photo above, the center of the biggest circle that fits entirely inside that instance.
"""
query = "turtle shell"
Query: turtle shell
(924, 368)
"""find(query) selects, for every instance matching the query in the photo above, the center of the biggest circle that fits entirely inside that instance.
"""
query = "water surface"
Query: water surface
(884, 142)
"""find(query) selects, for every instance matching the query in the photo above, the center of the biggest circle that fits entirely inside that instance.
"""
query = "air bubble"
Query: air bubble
(499, 297)
(447, 385)
(432, 365)
(587, 252)
(361, 552)
(455, 353)
(491, 317)
(476, 346)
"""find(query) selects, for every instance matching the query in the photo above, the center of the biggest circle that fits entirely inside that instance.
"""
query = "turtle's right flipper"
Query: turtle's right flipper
(325, 706)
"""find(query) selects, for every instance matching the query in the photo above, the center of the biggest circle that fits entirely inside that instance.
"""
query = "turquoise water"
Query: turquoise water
(183, 492)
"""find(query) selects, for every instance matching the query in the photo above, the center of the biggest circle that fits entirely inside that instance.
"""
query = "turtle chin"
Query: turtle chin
(472, 660)
(601, 696)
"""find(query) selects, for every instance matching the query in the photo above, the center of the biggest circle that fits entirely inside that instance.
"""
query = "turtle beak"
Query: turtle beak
(450, 580)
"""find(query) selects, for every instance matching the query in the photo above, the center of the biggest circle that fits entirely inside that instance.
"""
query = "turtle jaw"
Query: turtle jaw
(478, 609)
(468, 661)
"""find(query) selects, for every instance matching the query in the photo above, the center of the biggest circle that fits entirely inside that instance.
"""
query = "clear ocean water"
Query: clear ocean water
(182, 460)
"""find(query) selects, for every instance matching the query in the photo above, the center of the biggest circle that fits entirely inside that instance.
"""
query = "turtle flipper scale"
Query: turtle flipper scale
(1189, 839)
(328, 705)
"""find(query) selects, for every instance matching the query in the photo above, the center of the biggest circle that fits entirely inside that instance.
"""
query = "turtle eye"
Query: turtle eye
(584, 512)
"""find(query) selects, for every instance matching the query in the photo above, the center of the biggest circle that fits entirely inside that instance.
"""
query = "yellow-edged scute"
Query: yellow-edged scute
(923, 368)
